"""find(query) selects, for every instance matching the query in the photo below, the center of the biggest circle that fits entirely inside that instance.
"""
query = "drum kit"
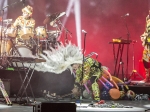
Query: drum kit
(38, 39)
(28, 40)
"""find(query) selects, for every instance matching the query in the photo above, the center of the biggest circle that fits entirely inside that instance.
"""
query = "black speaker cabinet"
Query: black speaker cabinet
(55, 107)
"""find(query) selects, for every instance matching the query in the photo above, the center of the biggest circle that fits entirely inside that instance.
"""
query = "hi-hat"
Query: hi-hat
(53, 17)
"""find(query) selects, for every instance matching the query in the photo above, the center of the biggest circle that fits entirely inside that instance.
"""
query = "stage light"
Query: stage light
(77, 10)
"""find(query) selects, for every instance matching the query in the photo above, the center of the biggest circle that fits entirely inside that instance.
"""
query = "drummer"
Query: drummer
(25, 20)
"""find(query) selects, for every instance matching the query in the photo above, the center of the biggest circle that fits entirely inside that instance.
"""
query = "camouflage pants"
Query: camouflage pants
(96, 91)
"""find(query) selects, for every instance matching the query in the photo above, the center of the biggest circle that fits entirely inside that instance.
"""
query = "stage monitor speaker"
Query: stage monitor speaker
(55, 107)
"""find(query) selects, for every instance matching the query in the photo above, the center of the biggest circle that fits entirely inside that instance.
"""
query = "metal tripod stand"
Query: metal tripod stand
(134, 72)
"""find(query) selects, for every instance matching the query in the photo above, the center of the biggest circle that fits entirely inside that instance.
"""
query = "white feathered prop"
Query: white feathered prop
(60, 59)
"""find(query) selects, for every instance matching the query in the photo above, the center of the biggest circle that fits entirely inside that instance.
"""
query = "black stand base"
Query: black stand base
(134, 73)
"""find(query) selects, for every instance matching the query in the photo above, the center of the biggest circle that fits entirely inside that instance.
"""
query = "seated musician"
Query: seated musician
(145, 38)
(25, 20)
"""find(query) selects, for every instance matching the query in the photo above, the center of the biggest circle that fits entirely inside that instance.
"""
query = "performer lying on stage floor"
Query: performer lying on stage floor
(92, 70)
(70, 56)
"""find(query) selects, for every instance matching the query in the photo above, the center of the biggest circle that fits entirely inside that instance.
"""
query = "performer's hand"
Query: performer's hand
(75, 91)
(84, 82)
(111, 79)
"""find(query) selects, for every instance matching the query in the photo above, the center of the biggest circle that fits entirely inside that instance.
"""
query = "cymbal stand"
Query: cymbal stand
(134, 72)
(33, 44)
(66, 31)
(128, 37)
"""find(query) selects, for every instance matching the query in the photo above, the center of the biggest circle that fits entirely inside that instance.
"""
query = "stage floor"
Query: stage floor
(129, 106)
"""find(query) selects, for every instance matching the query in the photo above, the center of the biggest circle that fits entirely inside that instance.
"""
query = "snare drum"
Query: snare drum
(11, 32)
(5, 47)
(26, 32)
(41, 32)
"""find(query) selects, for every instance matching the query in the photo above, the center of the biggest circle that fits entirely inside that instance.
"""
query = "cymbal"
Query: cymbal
(53, 17)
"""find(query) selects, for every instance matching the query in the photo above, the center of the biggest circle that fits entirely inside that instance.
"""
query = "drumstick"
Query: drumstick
(103, 83)
(115, 84)
(108, 81)
(87, 88)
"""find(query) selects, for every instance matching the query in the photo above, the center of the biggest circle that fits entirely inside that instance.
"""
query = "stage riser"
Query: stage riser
(58, 83)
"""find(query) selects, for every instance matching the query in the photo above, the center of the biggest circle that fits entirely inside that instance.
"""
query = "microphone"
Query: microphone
(23, 1)
(84, 31)
(127, 14)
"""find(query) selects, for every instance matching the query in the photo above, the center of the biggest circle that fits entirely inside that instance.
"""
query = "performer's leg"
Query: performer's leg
(95, 89)
(147, 74)
(147, 70)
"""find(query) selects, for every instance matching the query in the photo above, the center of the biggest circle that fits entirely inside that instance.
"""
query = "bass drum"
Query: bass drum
(22, 51)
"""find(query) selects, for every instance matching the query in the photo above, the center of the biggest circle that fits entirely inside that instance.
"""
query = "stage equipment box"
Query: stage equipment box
(54, 107)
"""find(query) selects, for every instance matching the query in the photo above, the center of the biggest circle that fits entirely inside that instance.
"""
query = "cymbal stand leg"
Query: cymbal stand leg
(36, 44)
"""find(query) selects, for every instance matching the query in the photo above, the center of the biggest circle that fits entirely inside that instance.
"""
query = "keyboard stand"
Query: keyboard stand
(118, 58)
(28, 75)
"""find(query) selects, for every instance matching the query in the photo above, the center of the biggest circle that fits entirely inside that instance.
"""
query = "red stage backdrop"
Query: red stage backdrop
(101, 19)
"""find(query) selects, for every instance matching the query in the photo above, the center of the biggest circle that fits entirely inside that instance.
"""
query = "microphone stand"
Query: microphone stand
(128, 36)
(81, 87)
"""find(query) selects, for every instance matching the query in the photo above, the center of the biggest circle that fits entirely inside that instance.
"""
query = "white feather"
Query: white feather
(60, 59)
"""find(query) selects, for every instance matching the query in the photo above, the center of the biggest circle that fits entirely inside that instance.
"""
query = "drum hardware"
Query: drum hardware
(35, 46)
(53, 17)
(53, 32)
